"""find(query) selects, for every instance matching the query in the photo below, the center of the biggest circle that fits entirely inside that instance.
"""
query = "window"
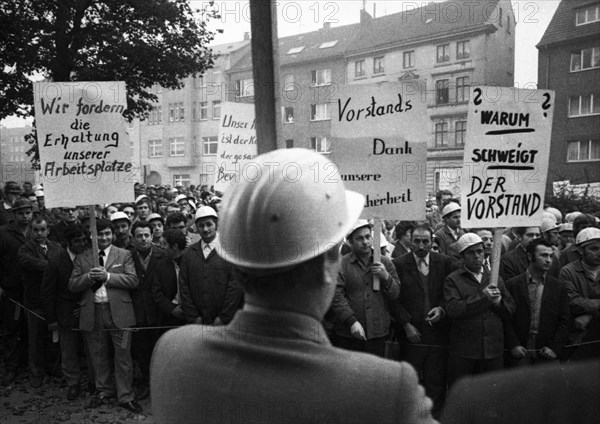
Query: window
(319, 112)
(176, 146)
(359, 68)
(441, 91)
(321, 77)
(441, 134)
(209, 145)
(181, 112)
(320, 144)
(588, 15)
(203, 110)
(508, 24)
(585, 59)
(176, 112)
(194, 111)
(583, 150)
(288, 82)
(216, 107)
(295, 50)
(500, 16)
(586, 104)
(378, 65)
(463, 50)
(443, 53)
(183, 180)
(289, 143)
(245, 88)
(171, 112)
(288, 115)
(328, 44)
(155, 148)
(462, 89)
(155, 116)
(408, 59)
(460, 132)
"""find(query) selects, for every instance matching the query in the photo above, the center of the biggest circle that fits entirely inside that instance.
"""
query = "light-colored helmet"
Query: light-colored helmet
(204, 211)
(467, 240)
(587, 235)
(449, 208)
(556, 213)
(287, 212)
(548, 224)
(119, 215)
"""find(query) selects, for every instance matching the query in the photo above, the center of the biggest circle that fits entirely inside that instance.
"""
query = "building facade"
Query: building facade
(15, 165)
(569, 64)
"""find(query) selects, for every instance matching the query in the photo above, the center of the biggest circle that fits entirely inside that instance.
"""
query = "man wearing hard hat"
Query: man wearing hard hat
(451, 231)
(209, 291)
(581, 278)
(361, 312)
(273, 362)
(476, 310)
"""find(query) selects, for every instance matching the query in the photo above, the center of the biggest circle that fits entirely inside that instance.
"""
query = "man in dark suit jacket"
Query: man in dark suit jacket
(476, 310)
(106, 310)
(538, 330)
(209, 291)
(60, 306)
(515, 262)
(550, 394)
(273, 363)
(165, 289)
(420, 314)
(146, 256)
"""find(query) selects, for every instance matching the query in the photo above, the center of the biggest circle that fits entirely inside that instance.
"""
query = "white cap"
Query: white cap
(467, 240)
(548, 224)
(119, 215)
(556, 213)
(180, 197)
(449, 208)
(570, 217)
(586, 235)
(37, 187)
(155, 216)
(567, 226)
(39, 193)
(141, 197)
(359, 224)
(204, 211)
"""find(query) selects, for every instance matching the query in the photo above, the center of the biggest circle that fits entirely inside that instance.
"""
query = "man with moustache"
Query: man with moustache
(420, 314)
(69, 216)
(450, 232)
(476, 310)
(122, 225)
(210, 293)
(487, 237)
(516, 262)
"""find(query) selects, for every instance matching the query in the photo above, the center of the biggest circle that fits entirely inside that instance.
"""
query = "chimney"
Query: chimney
(364, 16)
(374, 10)
(246, 36)
(326, 26)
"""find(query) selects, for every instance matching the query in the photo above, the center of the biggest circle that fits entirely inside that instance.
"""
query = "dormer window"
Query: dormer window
(295, 50)
(588, 15)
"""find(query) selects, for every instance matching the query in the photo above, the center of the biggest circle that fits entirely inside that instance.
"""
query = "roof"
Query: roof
(412, 25)
(562, 26)
(228, 47)
(434, 19)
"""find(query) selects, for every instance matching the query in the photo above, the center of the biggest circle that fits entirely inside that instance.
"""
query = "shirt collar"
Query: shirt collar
(417, 259)
(106, 251)
(71, 254)
(530, 279)
(212, 244)
(477, 276)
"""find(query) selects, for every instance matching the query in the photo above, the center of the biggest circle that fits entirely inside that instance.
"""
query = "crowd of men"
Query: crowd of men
(161, 266)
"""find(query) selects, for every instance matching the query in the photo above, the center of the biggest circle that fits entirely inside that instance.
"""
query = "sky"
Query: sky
(295, 17)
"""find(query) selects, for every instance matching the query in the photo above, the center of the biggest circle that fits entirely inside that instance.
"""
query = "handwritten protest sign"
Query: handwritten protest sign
(379, 143)
(84, 148)
(237, 143)
(506, 157)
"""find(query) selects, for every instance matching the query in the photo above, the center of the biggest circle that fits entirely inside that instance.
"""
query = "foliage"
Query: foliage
(569, 202)
(141, 42)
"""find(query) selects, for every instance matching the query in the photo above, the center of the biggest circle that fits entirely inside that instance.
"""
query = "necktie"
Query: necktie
(423, 269)
(486, 264)
(45, 250)
(101, 258)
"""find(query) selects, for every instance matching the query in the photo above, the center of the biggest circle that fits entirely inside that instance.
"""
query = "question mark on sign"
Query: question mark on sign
(546, 104)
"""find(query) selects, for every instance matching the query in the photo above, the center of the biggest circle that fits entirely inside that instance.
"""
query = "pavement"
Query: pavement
(20, 403)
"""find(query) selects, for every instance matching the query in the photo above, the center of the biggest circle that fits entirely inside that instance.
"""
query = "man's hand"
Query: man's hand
(98, 273)
(434, 315)
(547, 353)
(518, 352)
(357, 331)
(582, 321)
(493, 294)
(177, 312)
(379, 269)
(412, 334)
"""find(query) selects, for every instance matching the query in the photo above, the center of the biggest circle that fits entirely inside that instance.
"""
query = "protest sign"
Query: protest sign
(506, 157)
(237, 143)
(85, 156)
(379, 142)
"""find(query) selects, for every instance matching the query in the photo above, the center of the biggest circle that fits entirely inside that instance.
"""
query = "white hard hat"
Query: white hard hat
(587, 234)
(204, 211)
(570, 217)
(180, 197)
(153, 216)
(141, 197)
(359, 224)
(467, 240)
(449, 208)
(567, 226)
(119, 215)
(548, 224)
(39, 193)
(282, 215)
(37, 187)
(556, 213)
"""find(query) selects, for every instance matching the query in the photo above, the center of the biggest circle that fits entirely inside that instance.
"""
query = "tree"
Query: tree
(141, 42)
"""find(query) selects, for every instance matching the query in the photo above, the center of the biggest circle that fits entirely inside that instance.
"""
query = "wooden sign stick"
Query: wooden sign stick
(376, 251)
(94, 234)
(496, 252)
